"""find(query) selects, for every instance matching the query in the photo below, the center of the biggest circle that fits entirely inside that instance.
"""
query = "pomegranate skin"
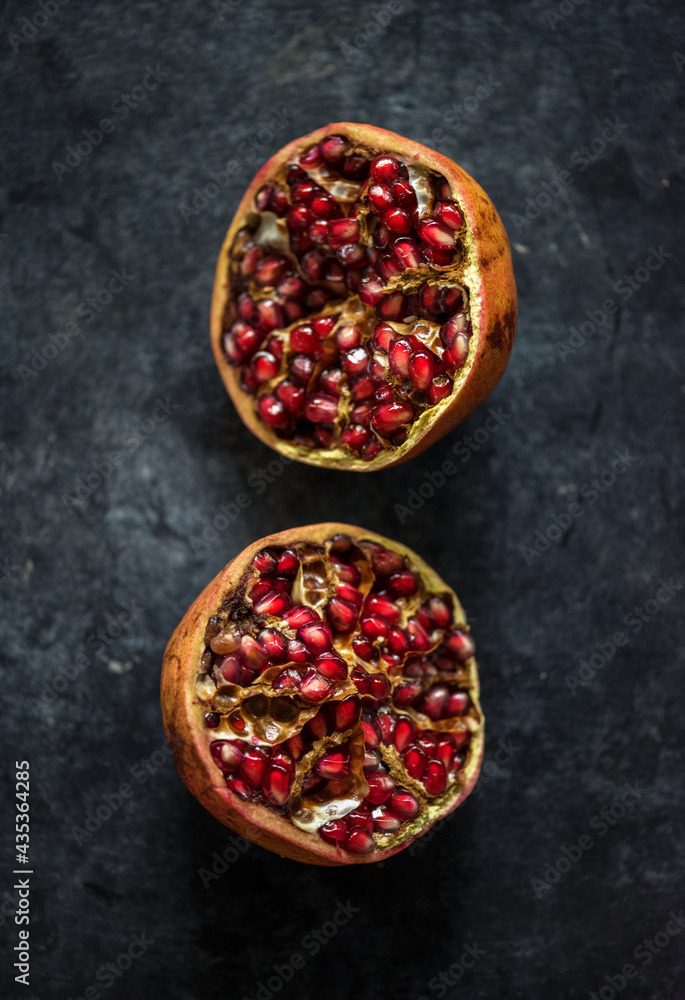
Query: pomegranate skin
(486, 272)
(189, 741)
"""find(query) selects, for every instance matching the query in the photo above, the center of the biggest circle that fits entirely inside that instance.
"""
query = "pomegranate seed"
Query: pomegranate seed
(415, 762)
(381, 787)
(342, 616)
(388, 267)
(230, 755)
(260, 589)
(348, 573)
(407, 252)
(374, 627)
(316, 636)
(333, 148)
(384, 168)
(351, 255)
(270, 270)
(323, 206)
(304, 339)
(330, 381)
(313, 686)
(277, 785)
(348, 337)
(386, 722)
(421, 366)
(380, 198)
(349, 593)
(332, 666)
(371, 290)
(396, 641)
(273, 603)
(458, 323)
(455, 356)
(391, 307)
(263, 197)
(334, 832)
(399, 221)
(333, 765)
(292, 397)
(321, 408)
(404, 195)
(405, 583)
(434, 701)
(361, 816)
(435, 235)
(417, 637)
(318, 726)
(385, 562)
(231, 669)
(298, 218)
(362, 388)
(440, 612)
(362, 647)
(359, 841)
(405, 732)
(379, 687)
(249, 261)
(288, 562)
(312, 158)
(274, 644)
(461, 644)
(253, 767)
(361, 680)
(239, 787)
(246, 307)
(265, 562)
(252, 653)
(398, 354)
(404, 804)
(372, 734)
(345, 713)
(385, 820)
(355, 167)
(458, 703)
(302, 368)
(318, 232)
(448, 213)
(341, 231)
(439, 389)
(435, 777)
(387, 418)
(383, 336)
(361, 414)
(300, 614)
(451, 299)
(378, 605)
(355, 361)
(295, 174)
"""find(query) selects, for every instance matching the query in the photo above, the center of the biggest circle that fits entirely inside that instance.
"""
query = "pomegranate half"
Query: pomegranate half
(364, 300)
(321, 696)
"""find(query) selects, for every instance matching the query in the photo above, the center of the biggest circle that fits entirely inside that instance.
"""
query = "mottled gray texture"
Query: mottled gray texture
(534, 88)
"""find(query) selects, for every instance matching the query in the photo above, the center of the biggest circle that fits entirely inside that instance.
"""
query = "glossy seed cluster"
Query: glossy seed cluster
(348, 319)
(335, 687)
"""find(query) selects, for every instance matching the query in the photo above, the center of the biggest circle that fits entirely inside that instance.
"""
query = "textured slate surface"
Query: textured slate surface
(93, 587)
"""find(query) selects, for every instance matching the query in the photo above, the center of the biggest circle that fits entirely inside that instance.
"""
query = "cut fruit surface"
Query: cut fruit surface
(364, 302)
(321, 696)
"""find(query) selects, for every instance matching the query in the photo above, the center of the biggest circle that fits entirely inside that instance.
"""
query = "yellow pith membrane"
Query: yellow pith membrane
(345, 297)
(335, 690)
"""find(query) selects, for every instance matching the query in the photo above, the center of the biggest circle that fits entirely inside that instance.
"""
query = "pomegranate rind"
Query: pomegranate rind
(487, 272)
(183, 712)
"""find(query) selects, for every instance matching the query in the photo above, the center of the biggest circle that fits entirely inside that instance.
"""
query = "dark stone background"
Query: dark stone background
(513, 92)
